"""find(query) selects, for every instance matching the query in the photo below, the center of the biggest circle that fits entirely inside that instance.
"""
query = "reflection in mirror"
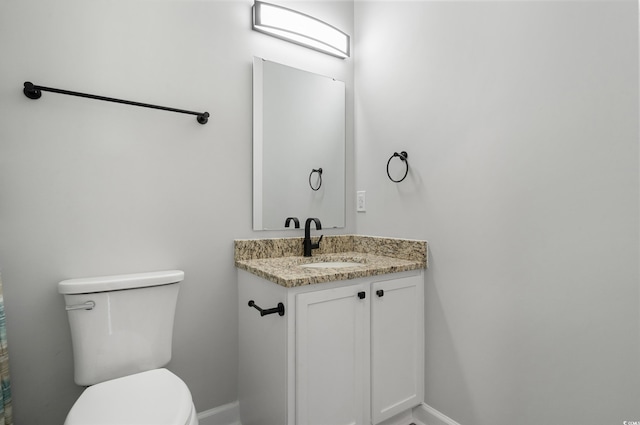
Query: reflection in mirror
(298, 146)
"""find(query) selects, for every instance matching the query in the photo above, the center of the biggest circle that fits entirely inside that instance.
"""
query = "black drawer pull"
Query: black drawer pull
(362, 294)
(380, 293)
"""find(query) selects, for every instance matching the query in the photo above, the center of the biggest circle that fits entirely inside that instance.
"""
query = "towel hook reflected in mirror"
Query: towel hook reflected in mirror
(318, 182)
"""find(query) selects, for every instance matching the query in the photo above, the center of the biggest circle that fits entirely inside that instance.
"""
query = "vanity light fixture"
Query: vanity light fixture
(296, 27)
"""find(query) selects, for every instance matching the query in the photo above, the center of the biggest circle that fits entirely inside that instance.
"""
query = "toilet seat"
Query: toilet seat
(155, 397)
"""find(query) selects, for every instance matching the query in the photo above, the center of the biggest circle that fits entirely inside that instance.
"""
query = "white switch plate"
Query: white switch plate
(361, 201)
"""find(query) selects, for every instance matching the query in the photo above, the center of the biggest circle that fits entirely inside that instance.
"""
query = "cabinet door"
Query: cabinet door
(330, 348)
(397, 351)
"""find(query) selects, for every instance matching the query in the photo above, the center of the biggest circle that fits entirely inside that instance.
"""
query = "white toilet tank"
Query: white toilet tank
(120, 325)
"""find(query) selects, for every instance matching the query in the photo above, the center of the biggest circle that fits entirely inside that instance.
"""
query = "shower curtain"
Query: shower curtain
(6, 417)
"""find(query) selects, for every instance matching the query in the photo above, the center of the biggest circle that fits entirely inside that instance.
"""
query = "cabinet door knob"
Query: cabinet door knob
(362, 294)
(380, 293)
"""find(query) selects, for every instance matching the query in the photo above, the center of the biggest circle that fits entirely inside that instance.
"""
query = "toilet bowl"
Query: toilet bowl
(155, 397)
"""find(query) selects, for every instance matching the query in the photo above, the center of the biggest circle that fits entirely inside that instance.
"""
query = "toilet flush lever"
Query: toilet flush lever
(89, 305)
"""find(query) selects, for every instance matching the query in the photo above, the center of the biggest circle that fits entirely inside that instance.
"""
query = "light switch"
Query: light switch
(361, 202)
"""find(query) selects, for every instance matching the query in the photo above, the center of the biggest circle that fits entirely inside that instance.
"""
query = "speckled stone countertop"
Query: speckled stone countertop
(280, 260)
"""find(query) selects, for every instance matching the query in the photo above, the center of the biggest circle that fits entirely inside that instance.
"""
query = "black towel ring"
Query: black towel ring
(403, 156)
(319, 171)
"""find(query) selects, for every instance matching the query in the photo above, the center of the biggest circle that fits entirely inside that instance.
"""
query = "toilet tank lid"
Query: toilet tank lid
(117, 282)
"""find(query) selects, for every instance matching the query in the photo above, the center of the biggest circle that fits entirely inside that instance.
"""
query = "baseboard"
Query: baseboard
(227, 414)
(430, 416)
(403, 418)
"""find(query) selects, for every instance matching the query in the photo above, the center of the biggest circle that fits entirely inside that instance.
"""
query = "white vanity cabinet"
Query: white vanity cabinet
(347, 352)
(397, 346)
(331, 352)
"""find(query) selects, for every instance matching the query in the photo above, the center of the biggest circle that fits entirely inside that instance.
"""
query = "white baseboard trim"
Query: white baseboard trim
(227, 414)
(403, 418)
(430, 416)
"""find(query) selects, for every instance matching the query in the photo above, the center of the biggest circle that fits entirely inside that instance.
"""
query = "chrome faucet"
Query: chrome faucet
(307, 244)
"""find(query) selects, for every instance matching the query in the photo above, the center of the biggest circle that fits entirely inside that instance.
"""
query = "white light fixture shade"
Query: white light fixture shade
(299, 28)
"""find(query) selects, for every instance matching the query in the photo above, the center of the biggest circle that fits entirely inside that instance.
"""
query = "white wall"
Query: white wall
(521, 124)
(91, 188)
(520, 119)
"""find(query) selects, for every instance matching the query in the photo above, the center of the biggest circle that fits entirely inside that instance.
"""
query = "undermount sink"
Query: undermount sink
(331, 265)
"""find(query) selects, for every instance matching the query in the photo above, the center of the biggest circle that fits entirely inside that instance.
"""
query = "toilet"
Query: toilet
(121, 331)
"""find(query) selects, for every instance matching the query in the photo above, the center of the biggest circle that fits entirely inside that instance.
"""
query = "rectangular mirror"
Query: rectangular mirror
(298, 147)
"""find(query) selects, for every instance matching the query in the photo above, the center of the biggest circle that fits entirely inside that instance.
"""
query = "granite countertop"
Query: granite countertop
(280, 260)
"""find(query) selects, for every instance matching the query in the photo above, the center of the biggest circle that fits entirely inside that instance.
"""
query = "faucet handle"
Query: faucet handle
(295, 221)
(317, 244)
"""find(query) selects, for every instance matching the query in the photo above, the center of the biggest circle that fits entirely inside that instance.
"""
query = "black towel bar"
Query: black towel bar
(33, 91)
